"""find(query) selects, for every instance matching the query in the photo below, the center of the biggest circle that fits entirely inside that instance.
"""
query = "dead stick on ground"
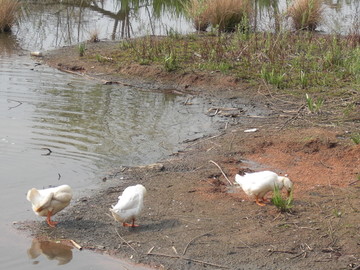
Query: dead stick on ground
(187, 259)
(194, 240)
(124, 240)
(213, 162)
(75, 244)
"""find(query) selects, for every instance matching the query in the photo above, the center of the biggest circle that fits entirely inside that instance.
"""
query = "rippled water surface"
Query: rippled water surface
(89, 128)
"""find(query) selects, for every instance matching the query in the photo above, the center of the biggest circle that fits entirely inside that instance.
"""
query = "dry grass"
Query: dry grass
(306, 14)
(228, 14)
(8, 13)
(225, 14)
(198, 11)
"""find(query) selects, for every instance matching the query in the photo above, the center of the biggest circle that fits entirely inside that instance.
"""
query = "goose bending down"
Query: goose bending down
(47, 202)
(129, 206)
(259, 183)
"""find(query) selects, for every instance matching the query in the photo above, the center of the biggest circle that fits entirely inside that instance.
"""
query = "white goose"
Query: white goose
(47, 202)
(129, 206)
(259, 183)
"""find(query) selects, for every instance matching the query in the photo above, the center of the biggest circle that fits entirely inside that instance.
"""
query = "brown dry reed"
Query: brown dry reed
(8, 14)
(306, 14)
(224, 14)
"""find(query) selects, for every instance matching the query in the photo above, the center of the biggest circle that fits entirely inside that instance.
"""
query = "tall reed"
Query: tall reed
(227, 15)
(8, 14)
(306, 14)
(198, 11)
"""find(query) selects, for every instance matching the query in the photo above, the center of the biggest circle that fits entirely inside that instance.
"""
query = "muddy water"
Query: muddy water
(89, 129)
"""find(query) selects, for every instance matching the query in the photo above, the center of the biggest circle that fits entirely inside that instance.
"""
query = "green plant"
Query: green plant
(8, 14)
(81, 49)
(356, 138)
(337, 213)
(170, 62)
(283, 205)
(303, 79)
(314, 106)
(272, 77)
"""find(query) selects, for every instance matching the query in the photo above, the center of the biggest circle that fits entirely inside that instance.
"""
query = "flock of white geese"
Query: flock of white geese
(48, 202)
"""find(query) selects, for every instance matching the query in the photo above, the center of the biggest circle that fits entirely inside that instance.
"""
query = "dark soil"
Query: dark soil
(193, 218)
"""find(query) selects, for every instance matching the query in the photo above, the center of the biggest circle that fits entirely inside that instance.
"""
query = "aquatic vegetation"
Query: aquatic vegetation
(306, 14)
(198, 11)
(8, 14)
(226, 15)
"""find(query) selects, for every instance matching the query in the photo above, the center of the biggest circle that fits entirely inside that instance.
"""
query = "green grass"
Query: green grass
(283, 205)
(81, 49)
(284, 61)
(356, 139)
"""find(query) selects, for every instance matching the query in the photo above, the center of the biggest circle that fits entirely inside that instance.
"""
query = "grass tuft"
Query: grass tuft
(283, 205)
(306, 14)
(8, 14)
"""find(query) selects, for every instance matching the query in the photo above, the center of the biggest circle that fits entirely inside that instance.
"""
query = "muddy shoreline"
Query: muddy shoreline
(193, 218)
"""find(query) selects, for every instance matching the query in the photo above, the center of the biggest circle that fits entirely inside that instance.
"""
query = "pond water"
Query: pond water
(90, 128)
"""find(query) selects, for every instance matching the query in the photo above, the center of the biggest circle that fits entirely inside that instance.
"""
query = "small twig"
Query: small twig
(294, 117)
(213, 162)
(13, 107)
(48, 153)
(196, 237)
(352, 183)
(59, 176)
(187, 259)
(76, 244)
(151, 249)
(125, 241)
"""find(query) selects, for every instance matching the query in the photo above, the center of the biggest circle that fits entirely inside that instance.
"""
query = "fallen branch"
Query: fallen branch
(125, 241)
(185, 249)
(187, 259)
(213, 162)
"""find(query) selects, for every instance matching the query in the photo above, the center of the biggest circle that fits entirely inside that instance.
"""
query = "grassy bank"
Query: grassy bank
(302, 62)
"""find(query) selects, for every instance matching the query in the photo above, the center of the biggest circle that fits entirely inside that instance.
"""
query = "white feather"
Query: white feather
(130, 204)
(49, 200)
(259, 183)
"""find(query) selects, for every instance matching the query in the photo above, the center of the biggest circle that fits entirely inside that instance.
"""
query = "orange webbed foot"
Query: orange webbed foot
(258, 202)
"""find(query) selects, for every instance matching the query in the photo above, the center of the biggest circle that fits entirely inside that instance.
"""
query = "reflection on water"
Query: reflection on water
(52, 251)
(50, 24)
(55, 23)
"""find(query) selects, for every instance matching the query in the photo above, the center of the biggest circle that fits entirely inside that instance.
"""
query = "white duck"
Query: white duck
(259, 183)
(129, 206)
(47, 202)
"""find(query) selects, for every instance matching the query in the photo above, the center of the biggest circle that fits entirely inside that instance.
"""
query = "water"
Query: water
(90, 128)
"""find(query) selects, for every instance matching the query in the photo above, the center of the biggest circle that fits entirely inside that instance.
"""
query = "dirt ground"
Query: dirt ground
(193, 218)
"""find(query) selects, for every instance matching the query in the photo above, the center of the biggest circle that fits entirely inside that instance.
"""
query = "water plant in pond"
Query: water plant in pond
(198, 12)
(224, 14)
(8, 14)
(306, 14)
